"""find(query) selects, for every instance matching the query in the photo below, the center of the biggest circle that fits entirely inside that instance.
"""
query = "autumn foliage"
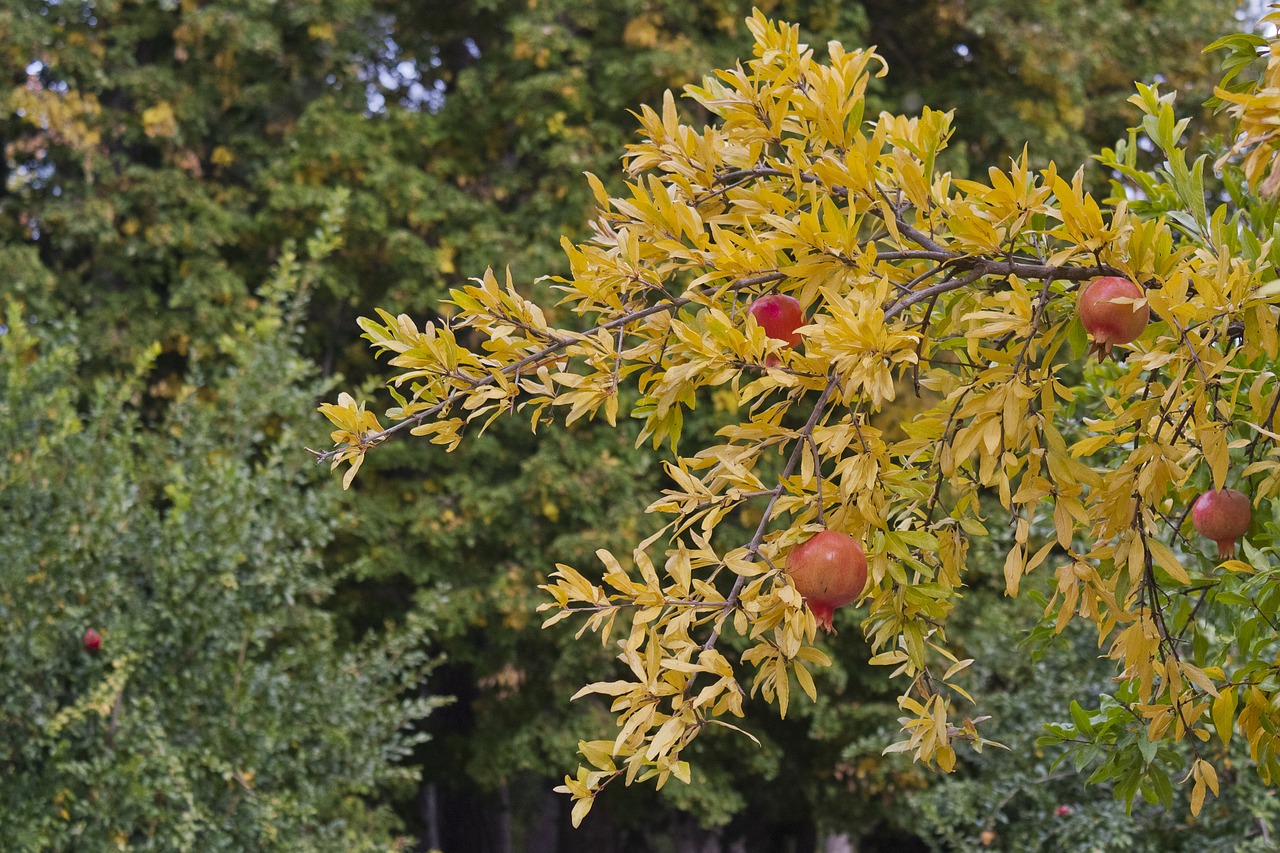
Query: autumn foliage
(962, 294)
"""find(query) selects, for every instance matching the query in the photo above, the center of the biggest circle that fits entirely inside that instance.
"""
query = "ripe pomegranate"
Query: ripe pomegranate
(1107, 322)
(779, 315)
(92, 641)
(829, 570)
(1224, 517)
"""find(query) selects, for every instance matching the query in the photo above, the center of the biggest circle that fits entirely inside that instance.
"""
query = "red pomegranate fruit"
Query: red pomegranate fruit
(829, 570)
(1223, 516)
(92, 641)
(1109, 322)
(779, 315)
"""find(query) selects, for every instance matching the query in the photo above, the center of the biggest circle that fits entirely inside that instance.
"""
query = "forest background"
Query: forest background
(197, 200)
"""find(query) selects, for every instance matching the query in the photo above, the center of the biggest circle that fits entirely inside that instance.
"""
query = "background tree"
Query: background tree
(1052, 76)
(171, 679)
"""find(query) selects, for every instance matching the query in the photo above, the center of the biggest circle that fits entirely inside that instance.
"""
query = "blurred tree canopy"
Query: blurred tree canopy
(161, 157)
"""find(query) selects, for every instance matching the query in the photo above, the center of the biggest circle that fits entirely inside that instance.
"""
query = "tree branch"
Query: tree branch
(619, 323)
(753, 549)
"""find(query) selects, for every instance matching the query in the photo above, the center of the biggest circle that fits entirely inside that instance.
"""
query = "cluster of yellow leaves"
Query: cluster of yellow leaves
(159, 121)
(68, 118)
(356, 432)
(964, 289)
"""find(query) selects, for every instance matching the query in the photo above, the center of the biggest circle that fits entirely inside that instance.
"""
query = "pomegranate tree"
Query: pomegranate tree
(1108, 321)
(829, 570)
(92, 641)
(1222, 515)
(779, 315)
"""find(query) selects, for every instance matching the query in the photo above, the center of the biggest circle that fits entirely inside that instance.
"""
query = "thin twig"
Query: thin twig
(617, 359)
(1041, 302)
(920, 343)
(929, 292)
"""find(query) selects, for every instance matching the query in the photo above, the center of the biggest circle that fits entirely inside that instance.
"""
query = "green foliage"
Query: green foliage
(157, 154)
(1034, 797)
(220, 714)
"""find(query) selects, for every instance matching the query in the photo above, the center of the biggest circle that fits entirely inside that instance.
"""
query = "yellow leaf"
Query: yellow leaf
(1224, 714)
(1014, 563)
(1092, 444)
(805, 679)
(1210, 775)
(1197, 797)
(888, 658)
(356, 462)
(815, 656)
(608, 688)
(1197, 676)
(1213, 444)
(598, 753)
(783, 687)
(580, 809)
(1167, 560)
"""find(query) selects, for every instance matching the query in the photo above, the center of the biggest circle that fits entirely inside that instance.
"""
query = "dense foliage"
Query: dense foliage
(216, 711)
(963, 289)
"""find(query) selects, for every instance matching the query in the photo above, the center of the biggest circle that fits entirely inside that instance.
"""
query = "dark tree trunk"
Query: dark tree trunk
(429, 806)
(544, 829)
(502, 822)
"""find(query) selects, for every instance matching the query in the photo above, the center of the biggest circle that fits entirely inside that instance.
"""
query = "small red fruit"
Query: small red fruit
(779, 315)
(1224, 517)
(829, 570)
(1108, 322)
(92, 641)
